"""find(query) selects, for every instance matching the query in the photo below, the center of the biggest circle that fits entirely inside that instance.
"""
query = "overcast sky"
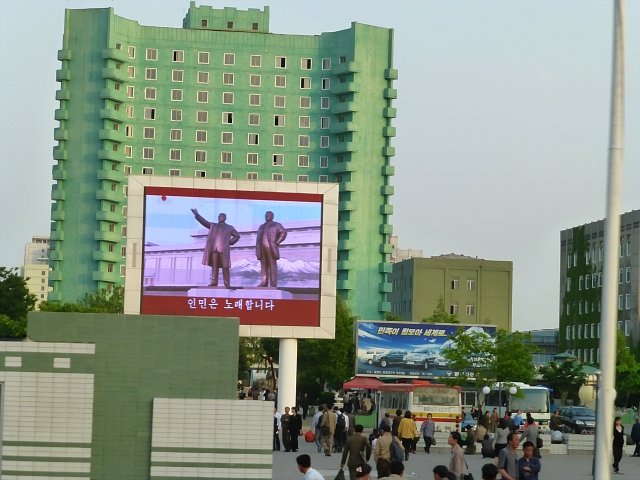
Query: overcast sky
(502, 127)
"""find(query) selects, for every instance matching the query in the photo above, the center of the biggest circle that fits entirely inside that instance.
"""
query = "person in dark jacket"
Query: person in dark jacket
(618, 443)
(635, 436)
(357, 451)
(295, 428)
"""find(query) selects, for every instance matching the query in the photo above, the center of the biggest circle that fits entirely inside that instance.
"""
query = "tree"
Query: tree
(15, 303)
(565, 377)
(440, 315)
(627, 371)
(392, 317)
(514, 357)
(472, 355)
(101, 301)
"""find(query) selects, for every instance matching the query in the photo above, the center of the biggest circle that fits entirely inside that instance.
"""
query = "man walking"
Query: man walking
(358, 450)
(428, 429)
(328, 427)
(285, 421)
(270, 235)
(304, 466)
(508, 458)
(317, 425)
(295, 428)
(635, 436)
(217, 250)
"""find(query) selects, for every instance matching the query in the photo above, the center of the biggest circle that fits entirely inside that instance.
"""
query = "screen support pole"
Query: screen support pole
(287, 373)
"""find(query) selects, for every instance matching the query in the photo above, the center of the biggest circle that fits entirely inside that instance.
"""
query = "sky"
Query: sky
(502, 126)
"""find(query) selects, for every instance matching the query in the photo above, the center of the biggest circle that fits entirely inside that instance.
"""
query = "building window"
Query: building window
(175, 154)
(580, 282)
(453, 309)
(201, 156)
(226, 138)
(303, 160)
(323, 178)
(325, 103)
(226, 157)
(152, 54)
(324, 122)
(149, 133)
(277, 177)
(177, 75)
(326, 84)
(304, 122)
(227, 78)
(252, 159)
(342, 59)
(471, 284)
(127, 169)
(305, 64)
(303, 140)
(587, 282)
(324, 142)
(227, 118)
(176, 115)
(253, 139)
(201, 136)
(203, 58)
(627, 301)
(128, 151)
(178, 55)
(305, 82)
(176, 95)
(278, 120)
(227, 98)
(568, 332)
(229, 25)
(128, 131)
(200, 173)
(255, 80)
(174, 172)
(279, 101)
(470, 309)
(278, 140)
(202, 116)
(129, 110)
(579, 332)
(203, 77)
(305, 102)
(149, 113)
(326, 64)
(454, 284)
(202, 96)
(254, 100)
(150, 93)
(278, 160)
(151, 74)
(568, 284)
(627, 273)
(148, 153)
(303, 178)
(229, 58)
(254, 119)
(324, 161)
(620, 303)
(255, 60)
(280, 81)
(281, 62)
(131, 51)
(226, 175)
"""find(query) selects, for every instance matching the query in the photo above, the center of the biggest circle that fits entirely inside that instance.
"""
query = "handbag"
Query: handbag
(468, 475)
(340, 475)
(539, 442)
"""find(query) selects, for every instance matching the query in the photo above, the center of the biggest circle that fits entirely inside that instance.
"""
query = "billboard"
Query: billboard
(407, 349)
(259, 251)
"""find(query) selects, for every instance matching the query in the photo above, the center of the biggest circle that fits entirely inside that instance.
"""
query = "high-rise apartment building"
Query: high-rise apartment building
(221, 97)
(475, 290)
(581, 267)
(399, 254)
(36, 267)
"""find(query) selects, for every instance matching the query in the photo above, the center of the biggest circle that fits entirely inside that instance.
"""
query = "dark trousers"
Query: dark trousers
(427, 443)
(276, 441)
(293, 436)
(637, 450)
(407, 444)
(286, 440)
(617, 456)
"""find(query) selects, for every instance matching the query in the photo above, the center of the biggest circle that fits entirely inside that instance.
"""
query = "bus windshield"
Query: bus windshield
(534, 401)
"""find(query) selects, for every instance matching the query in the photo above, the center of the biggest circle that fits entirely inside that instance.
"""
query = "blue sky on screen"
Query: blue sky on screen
(171, 221)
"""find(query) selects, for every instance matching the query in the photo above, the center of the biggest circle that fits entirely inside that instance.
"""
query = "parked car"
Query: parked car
(578, 419)
(371, 354)
(392, 357)
(426, 356)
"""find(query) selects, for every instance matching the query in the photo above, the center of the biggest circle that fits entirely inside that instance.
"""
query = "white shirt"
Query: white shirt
(316, 417)
(278, 415)
(313, 474)
(346, 422)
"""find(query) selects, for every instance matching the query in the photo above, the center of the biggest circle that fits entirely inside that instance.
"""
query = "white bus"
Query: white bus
(530, 399)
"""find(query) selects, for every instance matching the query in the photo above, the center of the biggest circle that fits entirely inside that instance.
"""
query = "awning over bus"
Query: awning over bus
(368, 383)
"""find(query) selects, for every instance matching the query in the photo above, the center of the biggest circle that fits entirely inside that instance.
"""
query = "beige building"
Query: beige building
(399, 254)
(477, 291)
(36, 267)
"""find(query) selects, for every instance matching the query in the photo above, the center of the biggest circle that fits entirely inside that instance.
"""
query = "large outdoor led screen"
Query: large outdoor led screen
(227, 252)
(399, 349)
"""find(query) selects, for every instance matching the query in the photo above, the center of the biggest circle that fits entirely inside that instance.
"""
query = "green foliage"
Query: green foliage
(627, 371)
(565, 377)
(326, 398)
(392, 317)
(440, 315)
(101, 301)
(15, 303)
(472, 356)
(514, 357)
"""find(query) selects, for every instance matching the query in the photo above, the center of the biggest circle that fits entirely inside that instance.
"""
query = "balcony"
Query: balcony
(56, 235)
(111, 114)
(346, 205)
(113, 217)
(57, 193)
(343, 147)
(114, 54)
(347, 187)
(347, 67)
(61, 114)
(386, 229)
(113, 94)
(110, 195)
(111, 175)
(344, 107)
(345, 87)
(110, 154)
(341, 127)
(390, 112)
(63, 94)
(55, 255)
(57, 214)
(58, 173)
(54, 275)
(110, 277)
(345, 245)
(346, 226)
(111, 135)
(391, 73)
(385, 287)
(344, 285)
(112, 237)
(60, 133)
(385, 267)
(386, 209)
(116, 74)
(390, 93)
(63, 74)
(388, 170)
(64, 54)
(386, 248)
(339, 167)
(388, 151)
(384, 307)
(389, 131)
(387, 190)
(344, 264)
(101, 256)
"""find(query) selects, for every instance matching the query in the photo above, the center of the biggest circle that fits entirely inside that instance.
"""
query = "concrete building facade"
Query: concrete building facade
(581, 263)
(36, 267)
(399, 254)
(221, 97)
(476, 290)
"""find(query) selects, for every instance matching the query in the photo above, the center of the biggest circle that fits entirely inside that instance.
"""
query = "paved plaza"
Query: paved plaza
(574, 466)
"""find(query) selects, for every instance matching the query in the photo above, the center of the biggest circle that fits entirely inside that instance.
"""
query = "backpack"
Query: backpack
(319, 424)
(397, 455)
(340, 423)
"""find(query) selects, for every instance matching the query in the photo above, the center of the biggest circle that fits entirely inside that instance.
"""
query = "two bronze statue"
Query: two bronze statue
(217, 250)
